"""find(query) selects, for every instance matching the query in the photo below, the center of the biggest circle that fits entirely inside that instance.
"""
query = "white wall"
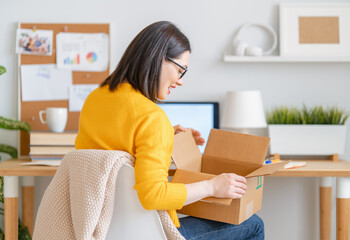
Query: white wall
(290, 205)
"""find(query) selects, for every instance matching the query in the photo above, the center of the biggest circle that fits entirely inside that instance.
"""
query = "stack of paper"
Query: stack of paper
(292, 164)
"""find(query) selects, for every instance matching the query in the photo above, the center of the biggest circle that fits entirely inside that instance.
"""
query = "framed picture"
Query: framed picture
(315, 29)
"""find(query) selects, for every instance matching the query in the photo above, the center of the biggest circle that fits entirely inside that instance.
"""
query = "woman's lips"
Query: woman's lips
(171, 87)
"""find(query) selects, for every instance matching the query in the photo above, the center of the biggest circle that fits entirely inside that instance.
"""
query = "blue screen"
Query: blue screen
(200, 116)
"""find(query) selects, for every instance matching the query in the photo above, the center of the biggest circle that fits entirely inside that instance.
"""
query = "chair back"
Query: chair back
(130, 220)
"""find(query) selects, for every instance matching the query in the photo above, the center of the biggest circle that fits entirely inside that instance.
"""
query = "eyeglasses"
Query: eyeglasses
(185, 69)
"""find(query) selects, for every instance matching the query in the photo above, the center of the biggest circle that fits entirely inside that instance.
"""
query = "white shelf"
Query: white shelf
(279, 59)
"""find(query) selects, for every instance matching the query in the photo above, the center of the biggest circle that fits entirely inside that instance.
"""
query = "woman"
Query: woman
(122, 114)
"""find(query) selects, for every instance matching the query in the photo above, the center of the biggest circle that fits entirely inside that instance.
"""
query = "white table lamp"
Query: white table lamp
(243, 110)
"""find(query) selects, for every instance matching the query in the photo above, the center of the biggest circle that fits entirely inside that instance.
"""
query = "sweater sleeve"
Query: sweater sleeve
(154, 139)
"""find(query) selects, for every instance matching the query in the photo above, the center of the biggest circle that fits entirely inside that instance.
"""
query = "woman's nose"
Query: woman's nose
(180, 82)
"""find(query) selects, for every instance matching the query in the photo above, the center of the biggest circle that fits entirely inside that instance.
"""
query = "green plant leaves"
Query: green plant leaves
(23, 233)
(2, 235)
(314, 115)
(9, 150)
(12, 124)
(284, 115)
(2, 190)
(2, 70)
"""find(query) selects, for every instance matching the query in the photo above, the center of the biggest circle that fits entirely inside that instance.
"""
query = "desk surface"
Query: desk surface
(317, 168)
(13, 167)
(313, 168)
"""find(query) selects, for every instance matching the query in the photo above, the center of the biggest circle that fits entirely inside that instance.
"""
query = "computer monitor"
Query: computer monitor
(201, 116)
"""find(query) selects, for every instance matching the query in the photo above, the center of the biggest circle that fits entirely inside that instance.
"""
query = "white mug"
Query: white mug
(56, 118)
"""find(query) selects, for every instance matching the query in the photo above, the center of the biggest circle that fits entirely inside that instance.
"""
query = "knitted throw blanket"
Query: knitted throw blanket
(79, 201)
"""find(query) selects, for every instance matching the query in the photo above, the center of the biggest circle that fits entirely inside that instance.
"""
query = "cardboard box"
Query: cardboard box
(225, 152)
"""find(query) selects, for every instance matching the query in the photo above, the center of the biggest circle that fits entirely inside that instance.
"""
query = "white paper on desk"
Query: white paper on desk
(44, 82)
(82, 51)
(52, 163)
(77, 95)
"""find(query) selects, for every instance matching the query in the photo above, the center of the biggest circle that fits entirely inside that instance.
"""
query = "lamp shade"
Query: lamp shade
(243, 109)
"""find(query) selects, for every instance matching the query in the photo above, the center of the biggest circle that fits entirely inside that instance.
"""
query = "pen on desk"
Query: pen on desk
(272, 161)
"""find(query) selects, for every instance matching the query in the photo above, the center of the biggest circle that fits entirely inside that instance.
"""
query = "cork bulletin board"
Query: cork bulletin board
(29, 111)
(319, 30)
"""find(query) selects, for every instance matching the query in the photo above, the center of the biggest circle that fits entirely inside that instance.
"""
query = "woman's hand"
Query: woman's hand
(197, 135)
(228, 185)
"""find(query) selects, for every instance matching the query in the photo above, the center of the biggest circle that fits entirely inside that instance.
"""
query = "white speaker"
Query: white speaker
(241, 48)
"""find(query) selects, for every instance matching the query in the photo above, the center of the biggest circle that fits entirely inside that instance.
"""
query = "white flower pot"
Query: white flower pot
(307, 139)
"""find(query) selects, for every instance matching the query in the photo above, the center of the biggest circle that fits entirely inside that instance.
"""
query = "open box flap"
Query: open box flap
(186, 177)
(267, 169)
(214, 165)
(237, 146)
(186, 154)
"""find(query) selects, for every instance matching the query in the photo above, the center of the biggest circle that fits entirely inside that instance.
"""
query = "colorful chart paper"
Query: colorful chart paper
(82, 51)
(91, 57)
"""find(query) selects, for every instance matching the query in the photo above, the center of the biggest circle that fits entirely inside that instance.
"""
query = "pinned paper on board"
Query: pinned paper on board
(35, 42)
(77, 95)
(44, 82)
(82, 51)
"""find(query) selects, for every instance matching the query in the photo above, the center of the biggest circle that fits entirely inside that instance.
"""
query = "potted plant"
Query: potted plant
(313, 131)
(11, 124)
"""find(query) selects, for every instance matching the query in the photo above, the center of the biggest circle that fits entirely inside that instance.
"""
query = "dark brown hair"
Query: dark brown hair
(141, 63)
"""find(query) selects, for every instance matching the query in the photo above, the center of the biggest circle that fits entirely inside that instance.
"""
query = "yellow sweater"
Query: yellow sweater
(126, 120)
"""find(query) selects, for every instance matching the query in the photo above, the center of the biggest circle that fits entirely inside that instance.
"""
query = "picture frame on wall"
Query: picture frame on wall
(315, 29)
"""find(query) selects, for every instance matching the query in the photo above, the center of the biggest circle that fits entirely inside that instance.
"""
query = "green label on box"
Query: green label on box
(259, 183)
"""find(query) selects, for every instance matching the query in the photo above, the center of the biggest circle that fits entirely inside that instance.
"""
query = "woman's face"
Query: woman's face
(170, 74)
